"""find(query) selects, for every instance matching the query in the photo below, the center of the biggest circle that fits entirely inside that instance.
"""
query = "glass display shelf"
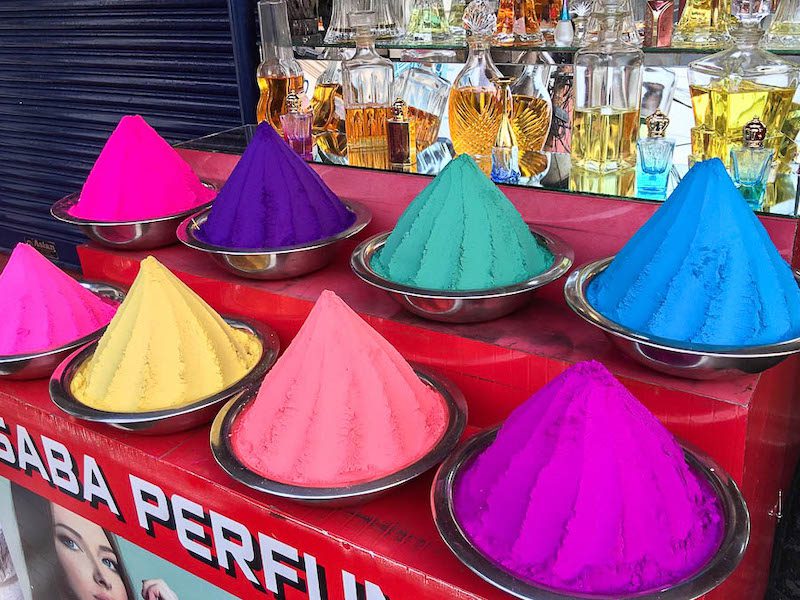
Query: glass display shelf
(554, 171)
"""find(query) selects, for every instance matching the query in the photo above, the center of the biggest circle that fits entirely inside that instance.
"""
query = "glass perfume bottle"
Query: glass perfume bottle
(658, 21)
(475, 106)
(784, 31)
(731, 87)
(297, 127)
(366, 87)
(532, 116)
(703, 24)
(581, 9)
(386, 26)
(279, 73)
(455, 16)
(517, 19)
(606, 97)
(426, 94)
(564, 33)
(427, 21)
(400, 138)
(627, 33)
(751, 163)
(655, 157)
(505, 152)
(339, 29)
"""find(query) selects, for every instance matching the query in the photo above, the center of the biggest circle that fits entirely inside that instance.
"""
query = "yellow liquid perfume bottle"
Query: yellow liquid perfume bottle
(279, 73)
(532, 116)
(731, 87)
(475, 106)
(703, 24)
(606, 98)
(327, 106)
(366, 86)
(505, 152)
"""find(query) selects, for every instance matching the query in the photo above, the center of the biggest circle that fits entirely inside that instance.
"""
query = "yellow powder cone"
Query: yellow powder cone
(165, 348)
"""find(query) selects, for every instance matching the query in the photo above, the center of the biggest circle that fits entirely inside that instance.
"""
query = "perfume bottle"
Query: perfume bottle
(455, 16)
(475, 106)
(517, 19)
(532, 116)
(606, 98)
(279, 73)
(505, 152)
(400, 138)
(658, 19)
(426, 94)
(581, 9)
(628, 32)
(366, 87)
(427, 21)
(731, 87)
(751, 163)
(703, 24)
(784, 31)
(297, 126)
(655, 157)
(564, 32)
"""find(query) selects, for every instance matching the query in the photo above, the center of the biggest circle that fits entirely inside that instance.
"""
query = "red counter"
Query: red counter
(748, 424)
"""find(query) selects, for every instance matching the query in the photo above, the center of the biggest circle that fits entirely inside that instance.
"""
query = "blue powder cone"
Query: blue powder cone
(702, 270)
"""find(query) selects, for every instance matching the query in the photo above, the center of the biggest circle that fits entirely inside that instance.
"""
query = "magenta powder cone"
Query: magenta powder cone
(583, 490)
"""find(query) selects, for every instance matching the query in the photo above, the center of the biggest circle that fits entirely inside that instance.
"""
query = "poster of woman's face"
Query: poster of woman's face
(48, 552)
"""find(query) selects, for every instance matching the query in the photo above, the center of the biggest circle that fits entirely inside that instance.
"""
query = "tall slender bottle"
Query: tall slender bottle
(367, 87)
(279, 73)
(327, 105)
(476, 105)
(505, 152)
(607, 97)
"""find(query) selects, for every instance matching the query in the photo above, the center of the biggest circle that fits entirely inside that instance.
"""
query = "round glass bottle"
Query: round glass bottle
(606, 97)
(475, 107)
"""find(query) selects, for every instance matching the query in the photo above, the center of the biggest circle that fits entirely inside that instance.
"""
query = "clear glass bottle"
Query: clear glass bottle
(297, 127)
(455, 16)
(475, 106)
(386, 26)
(564, 32)
(784, 31)
(655, 157)
(505, 152)
(339, 29)
(731, 87)
(751, 163)
(366, 87)
(606, 97)
(532, 116)
(279, 73)
(400, 138)
(427, 21)
(703, 24)
(581, 10)
(628, 32)
(426, 94)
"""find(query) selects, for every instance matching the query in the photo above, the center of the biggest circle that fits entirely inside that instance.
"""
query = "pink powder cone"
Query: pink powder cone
(340, 407)
(43, 307)
(139, 176)
(584, 490)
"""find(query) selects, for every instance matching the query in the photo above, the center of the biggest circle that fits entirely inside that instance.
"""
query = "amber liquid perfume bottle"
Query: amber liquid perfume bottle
(279, 73)
(400, 138)
(426, 95)
(505, 152)
(476, 106)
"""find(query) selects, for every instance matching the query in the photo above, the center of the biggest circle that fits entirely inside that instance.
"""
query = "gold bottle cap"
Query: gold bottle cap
(657, 124)
(754, 133)
(293, 103)
(479, 19)
(399, 111)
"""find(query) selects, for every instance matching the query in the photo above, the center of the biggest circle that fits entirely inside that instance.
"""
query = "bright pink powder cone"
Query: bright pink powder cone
(584, 490)
(138, 176)
(43, 307)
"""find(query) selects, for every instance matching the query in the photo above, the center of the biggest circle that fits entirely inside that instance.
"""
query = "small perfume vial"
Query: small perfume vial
(297, 127)
(564, 32)
(400, 137)
(654, 160)
(505, 152)
(751, 163)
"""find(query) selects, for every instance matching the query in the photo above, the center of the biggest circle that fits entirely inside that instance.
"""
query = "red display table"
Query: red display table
(748, 424)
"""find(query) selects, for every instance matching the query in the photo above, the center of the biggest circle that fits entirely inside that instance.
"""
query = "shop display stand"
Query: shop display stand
(389, 548)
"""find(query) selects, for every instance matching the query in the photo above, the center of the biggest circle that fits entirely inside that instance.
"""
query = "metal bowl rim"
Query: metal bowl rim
(563, 257)
(13, 358)
(706, 578)
(185, 234)
(575, 295)
(59, 211)
(62, 396)
(229, 462)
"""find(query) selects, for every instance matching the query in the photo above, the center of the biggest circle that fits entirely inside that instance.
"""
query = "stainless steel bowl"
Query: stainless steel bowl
(125, 235)
(692, 361)
(274, 263)
(171, 420)
(347, 495)
(462, 306)
(713, 573)
(38, 365)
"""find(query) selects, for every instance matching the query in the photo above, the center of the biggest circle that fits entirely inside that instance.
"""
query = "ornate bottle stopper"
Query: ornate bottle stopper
(293, 103)
(657, 124)
(399, 111)
(754, 133)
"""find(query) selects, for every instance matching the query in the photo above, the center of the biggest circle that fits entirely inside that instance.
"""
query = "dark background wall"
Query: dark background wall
(69, 69)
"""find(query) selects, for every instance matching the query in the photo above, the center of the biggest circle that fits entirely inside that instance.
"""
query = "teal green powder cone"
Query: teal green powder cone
(461, 233)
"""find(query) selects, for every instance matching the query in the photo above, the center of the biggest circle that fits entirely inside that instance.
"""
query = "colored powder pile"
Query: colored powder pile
(702, 270)
(583, 490)
(165, 348)
(44, 308)
(139, 176)
(461, 233)
(273, 199)
(340, 407)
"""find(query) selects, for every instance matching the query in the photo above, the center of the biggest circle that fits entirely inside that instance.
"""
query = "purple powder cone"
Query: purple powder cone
(273, 199)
